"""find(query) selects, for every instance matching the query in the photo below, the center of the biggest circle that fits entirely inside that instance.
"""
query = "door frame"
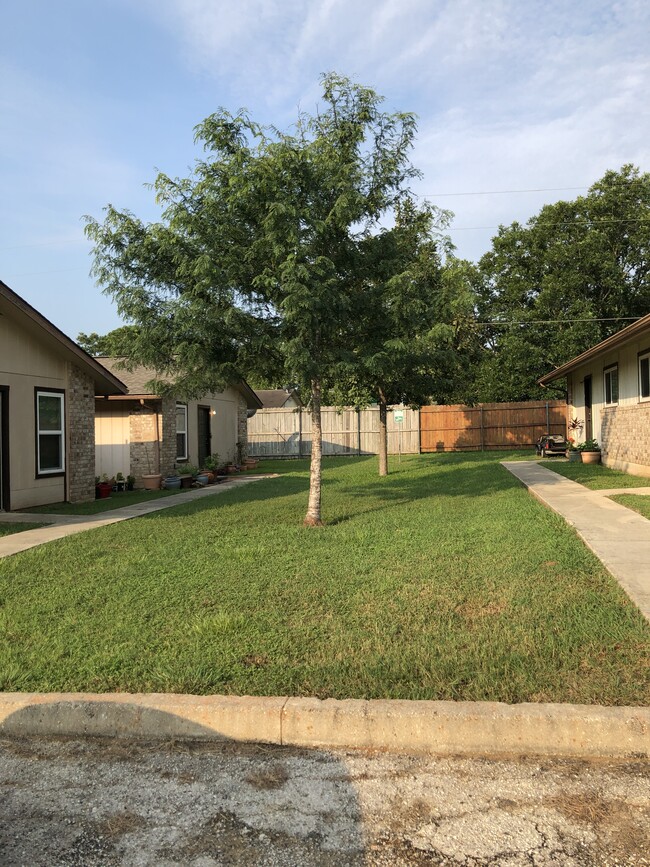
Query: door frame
(208, 411)
(5, 499)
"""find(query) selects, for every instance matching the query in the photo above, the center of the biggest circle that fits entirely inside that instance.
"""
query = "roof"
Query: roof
(12, 305)
(625, 335)
(136, 381)
(275, 398)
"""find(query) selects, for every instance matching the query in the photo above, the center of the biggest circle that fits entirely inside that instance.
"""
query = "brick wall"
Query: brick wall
(168, 445)
(625, 434)
(80, 436)
(143, 435)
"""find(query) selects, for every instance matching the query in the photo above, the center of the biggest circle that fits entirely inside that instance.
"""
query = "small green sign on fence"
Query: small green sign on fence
(398, 416)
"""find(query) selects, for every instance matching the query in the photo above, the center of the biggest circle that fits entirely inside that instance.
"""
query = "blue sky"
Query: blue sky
(96, 95)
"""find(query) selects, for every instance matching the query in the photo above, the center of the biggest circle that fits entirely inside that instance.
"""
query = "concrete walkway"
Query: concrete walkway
(619, 537)
(60, 526)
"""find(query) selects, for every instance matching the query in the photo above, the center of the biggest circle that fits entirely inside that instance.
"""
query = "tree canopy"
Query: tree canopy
(577, 268)
(257, 263)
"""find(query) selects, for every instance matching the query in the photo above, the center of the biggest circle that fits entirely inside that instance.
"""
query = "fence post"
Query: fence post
(548, 426)
(482, 435)
(358, 431)
(299, 431)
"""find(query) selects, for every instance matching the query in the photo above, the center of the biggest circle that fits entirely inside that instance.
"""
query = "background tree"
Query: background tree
(584, 260)
(399, 341)
(254, 263)
(116, 342)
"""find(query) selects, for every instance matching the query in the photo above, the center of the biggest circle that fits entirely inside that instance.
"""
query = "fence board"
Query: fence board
(287, 432)
(490, 426)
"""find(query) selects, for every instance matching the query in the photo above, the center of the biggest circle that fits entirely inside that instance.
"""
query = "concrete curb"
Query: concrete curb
(431, 727)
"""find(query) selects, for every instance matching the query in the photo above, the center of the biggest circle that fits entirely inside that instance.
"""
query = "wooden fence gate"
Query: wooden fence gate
(490, 426)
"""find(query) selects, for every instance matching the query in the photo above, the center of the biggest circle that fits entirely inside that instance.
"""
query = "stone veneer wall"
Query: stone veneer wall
(80, 436)
(143, 435)
(625, 434)
(242, 426)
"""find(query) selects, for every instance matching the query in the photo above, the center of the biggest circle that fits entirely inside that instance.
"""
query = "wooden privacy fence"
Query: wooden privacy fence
(490, 426)
(287, 432)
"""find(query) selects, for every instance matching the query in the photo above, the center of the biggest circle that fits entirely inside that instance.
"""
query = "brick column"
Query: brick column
(80, 435)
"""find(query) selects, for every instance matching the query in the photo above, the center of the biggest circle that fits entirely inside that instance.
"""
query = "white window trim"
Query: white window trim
(182, 406)
(640, 358)
(50, 471)
(607, 370)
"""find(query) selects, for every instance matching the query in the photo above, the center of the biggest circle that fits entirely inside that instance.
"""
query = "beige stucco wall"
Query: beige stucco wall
(622, 430)
(223, 425)
(26, 364)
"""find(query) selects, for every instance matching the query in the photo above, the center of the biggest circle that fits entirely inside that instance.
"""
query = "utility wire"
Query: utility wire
(555, 321)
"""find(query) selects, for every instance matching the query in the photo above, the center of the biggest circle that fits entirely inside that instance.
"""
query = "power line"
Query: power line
(557, 321)
(549, 225)
(502, 192)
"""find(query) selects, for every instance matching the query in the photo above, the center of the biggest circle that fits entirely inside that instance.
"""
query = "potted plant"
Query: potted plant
(120, 482)
(187, 473)
(590, 452)
(130, 482)
(103, 487)
(172, 482)
(572, 452)
(575, 429)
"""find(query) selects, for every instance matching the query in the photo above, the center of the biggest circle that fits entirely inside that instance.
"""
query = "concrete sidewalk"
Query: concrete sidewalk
(60, 526)
(619, 537)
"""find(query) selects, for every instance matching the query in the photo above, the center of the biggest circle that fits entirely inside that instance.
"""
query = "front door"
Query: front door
(589, 430)
(4, 448)
(205, 437)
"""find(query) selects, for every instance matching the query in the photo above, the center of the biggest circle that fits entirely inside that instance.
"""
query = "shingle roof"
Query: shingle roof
(136, 380)
(274, 398)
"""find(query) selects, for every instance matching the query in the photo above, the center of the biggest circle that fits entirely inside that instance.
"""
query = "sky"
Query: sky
(519, 103)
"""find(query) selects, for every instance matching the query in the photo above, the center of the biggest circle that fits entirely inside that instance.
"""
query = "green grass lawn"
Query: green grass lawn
(116, 501)
(640, 503)
(446, 580)
(595, 476)
(6, 529)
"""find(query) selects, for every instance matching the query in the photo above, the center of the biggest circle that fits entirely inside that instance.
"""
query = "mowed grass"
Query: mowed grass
(446, 580)
(7, 528)
(117, 500)
(639, 503)
(595, 476)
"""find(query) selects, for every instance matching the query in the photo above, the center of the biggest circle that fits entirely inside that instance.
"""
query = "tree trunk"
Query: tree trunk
(313, 516)
(383, 435)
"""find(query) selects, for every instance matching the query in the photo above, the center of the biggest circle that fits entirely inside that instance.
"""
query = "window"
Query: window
(611, 384)
(644, 376)
(181, 432)
(50, 446)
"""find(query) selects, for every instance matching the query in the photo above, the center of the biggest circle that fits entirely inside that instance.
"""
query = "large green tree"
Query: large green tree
(563, 282)
(254, 265)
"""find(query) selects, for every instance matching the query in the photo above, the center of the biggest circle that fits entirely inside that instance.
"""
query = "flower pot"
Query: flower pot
(590, 457)
(573, 456)
(202, 479)
(172, 483)
(152, 481)
(186, 481)
(103, 490)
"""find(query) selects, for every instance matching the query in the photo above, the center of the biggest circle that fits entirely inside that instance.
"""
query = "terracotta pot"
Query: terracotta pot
(590, 457)
(152, 481)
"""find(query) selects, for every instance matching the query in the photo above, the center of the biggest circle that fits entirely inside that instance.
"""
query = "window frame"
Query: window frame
(185, 433)
(40, 472)
(607, 371)
(643, 356)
